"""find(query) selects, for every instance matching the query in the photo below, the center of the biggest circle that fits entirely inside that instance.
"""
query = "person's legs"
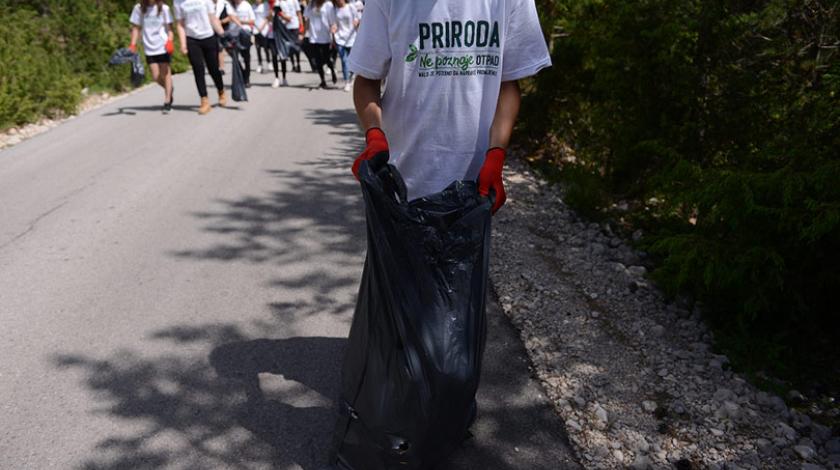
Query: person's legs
(210, 50)
(272, 47)
(259, 40)
(283, 69)
(166, 81)
(294, 52)
(246, 57)
(343, 52)
(332, 55)
(196, 56)
(154, 68)
(322, 52)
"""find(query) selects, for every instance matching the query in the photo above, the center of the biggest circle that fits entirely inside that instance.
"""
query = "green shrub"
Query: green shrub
(51, 49)
(728, 113)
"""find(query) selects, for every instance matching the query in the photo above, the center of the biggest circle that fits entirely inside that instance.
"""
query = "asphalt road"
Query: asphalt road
(154, 268)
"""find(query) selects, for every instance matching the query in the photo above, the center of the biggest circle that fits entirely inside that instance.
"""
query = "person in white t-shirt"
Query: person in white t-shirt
(197, 23)
(451, 93)
(322, 25)
(292, 17)
(347, 22)
(261, 32)
(227, 16)
(247, 20)
(153, 18)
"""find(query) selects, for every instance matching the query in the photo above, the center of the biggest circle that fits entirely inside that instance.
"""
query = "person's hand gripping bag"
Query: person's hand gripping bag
(413, 359)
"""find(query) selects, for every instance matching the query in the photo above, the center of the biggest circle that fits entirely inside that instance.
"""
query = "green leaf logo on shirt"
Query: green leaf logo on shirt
(411, 55)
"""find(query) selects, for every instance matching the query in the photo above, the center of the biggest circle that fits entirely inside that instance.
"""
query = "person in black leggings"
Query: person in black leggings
(197, 23)
(201, 52)
(322, 27)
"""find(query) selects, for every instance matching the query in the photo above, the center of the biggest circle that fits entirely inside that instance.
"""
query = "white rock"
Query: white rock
(805, 452)
(642, 462)
(649, 406)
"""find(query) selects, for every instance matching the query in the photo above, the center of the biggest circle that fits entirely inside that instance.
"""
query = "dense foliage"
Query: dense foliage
(51, 49)
(719, 122)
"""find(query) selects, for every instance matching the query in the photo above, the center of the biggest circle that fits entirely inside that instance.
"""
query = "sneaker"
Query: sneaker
(285, 83)
(334, 76)
(248, 85)
(276, 83)
(167, 107)
(297, 68)
(348, 86)
(259, 69)
(323, 85)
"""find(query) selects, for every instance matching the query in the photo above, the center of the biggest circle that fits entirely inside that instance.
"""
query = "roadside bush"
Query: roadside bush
(728, 114)
(50, 50)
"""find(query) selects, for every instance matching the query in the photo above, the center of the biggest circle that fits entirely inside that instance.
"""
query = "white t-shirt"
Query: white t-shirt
(153, 26)
(221, 6)
(320, 22)
(196, 16)
(291, 8)
(346, 17)
(261, 18)
(245, 12)
(445, 61)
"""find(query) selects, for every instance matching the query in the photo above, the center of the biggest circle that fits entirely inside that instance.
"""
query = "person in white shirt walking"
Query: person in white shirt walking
(247, 20)
(153, 20)
(227, 16)
(292, 18)
(322, 25)
(452, 95)
(261, 32)
(347, 22)
(197, 23)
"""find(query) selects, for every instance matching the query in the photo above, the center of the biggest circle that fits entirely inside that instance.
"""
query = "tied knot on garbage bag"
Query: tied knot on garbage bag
(414, 354)
(124, 55)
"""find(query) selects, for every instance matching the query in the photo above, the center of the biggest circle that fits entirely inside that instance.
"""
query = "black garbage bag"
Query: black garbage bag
(232, 41)
(284, 40)
(413, 359)
(125, 56)
(237, 83)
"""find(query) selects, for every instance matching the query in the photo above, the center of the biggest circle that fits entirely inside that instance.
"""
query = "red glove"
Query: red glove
(490, 177)
(376, 143)
(170, 48)
(132, 47)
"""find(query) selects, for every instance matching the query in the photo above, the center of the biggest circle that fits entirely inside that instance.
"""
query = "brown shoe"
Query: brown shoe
(222, 99)
(205, 106)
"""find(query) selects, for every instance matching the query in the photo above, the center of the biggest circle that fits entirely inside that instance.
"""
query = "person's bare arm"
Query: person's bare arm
(368, 101)
(135, 35)
(182, 37)
(510, 97)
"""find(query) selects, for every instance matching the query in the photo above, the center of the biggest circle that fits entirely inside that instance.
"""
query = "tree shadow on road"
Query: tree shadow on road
(311, 227)
(191, 411)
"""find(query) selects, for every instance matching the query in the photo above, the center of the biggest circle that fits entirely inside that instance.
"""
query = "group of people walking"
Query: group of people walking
(323, 30)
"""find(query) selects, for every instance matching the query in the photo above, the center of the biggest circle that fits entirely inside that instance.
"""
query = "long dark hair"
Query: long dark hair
(144, 6)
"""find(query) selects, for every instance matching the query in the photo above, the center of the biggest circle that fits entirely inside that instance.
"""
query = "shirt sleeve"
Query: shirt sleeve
(307, 12)
(135, 16)
(167, 15)
(525, 51)
(371, 55)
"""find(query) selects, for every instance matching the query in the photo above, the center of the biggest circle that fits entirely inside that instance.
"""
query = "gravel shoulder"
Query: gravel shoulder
(633, 376)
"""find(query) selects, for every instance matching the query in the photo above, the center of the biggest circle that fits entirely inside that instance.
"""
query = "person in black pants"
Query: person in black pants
(322, 26)
(197, 23)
